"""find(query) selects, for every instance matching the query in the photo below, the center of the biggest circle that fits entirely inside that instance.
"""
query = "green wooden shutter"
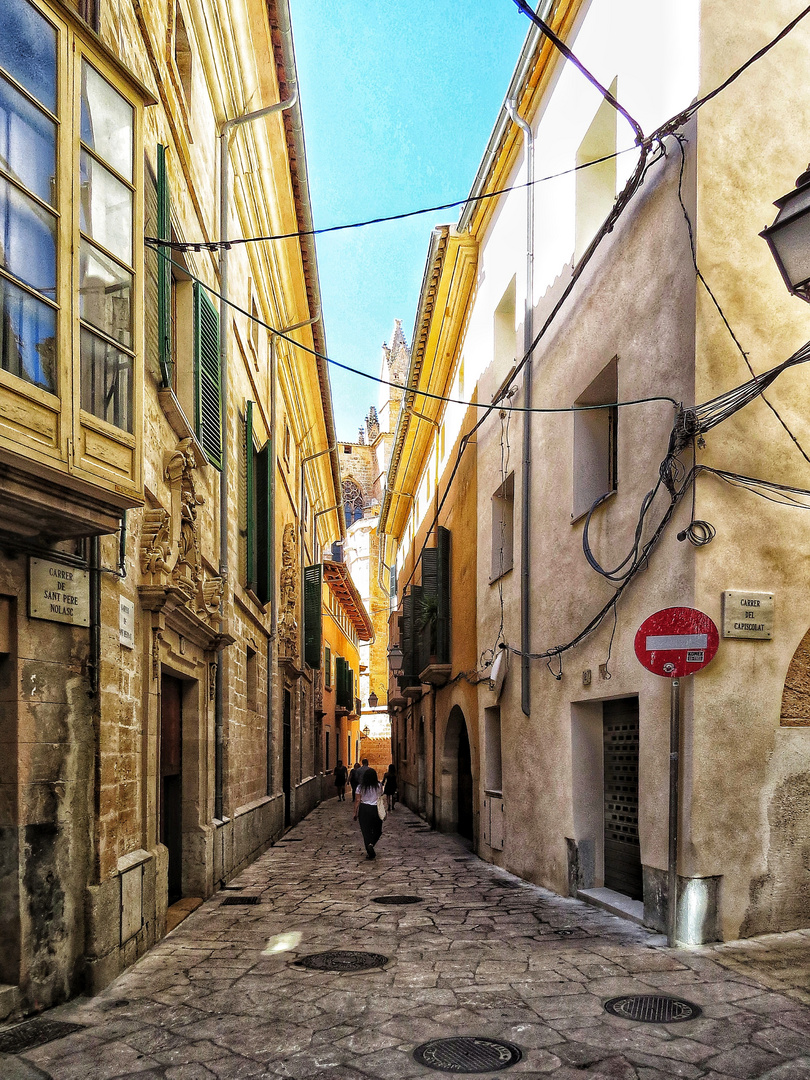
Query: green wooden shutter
(411, 607)
(443, 595)
(313, 578)
(327, 667)
(430, 590)
(250, 498)
(340, 681)
(207, 376)
(264, 583)
(164, 270)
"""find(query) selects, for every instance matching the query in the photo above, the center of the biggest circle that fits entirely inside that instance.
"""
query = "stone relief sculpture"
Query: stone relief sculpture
(288, 595)
(170, 539)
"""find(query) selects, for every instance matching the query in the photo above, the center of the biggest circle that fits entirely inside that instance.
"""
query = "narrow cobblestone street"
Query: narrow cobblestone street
(482, 954)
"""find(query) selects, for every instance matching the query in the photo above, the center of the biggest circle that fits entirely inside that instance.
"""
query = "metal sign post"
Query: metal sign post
(673, 643)
(674, 772)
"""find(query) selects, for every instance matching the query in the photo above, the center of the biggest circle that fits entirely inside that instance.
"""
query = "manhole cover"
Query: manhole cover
(35, 1033)
(343, 960)
(397, 899)
(467, 1054)
(232, 901)
(653, 1008)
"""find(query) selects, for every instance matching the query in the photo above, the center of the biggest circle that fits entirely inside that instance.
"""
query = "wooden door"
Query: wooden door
(171, 780)
(622, 849)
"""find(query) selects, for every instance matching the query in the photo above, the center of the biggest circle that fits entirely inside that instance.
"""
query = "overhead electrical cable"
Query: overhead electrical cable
(214, 245)
(681, 140)
(386, 382)
(559, 44)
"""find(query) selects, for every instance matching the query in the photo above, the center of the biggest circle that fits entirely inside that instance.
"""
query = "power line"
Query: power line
(681, 140)
(399, 386)
(214, 245)
(559, 44)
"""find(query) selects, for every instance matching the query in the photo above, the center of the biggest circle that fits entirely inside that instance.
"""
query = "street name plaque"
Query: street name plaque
(58, 593)
(748, 615)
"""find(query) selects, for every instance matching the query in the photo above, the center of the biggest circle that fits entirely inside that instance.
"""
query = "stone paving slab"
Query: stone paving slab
(482, 954)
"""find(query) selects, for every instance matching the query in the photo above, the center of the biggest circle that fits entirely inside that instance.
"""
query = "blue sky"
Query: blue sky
(398, 101)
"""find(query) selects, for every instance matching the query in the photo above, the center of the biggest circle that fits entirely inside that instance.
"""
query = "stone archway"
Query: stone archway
(457, 807)
(795, 710)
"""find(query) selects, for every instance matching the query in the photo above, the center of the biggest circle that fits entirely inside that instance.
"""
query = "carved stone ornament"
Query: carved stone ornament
(288, 596)
(319, 709)
(170, 541)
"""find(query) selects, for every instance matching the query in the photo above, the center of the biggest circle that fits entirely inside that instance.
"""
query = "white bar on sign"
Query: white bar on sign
(677, 641)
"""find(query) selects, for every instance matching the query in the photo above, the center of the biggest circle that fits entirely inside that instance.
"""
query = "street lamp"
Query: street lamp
(789, 237)
(395, 658)
(373, 700)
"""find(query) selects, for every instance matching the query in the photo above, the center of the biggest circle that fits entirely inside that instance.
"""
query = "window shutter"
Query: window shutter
(340, 681)
(164, 270)
(327, 667)
(264, 583)
(430, 598)
(313, 577)
(207, 376)
(443, 595)
(250, 498)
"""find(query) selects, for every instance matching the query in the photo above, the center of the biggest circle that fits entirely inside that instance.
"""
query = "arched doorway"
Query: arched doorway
(457, 809)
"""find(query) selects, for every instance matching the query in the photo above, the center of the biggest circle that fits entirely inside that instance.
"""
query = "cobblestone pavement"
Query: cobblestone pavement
(483, 954)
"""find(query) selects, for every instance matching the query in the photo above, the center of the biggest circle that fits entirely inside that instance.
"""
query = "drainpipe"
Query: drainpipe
(528, 337)
(225, 130)
(302, 495)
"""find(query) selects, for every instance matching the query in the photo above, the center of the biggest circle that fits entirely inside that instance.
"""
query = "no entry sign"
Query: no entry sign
(676, 641)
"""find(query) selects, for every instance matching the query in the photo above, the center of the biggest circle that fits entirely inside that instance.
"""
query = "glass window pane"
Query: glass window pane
(27, 337)
(106, 121)
(106, 381)
(106, 210)
(27, 240)
(28, 50)
(27, 143)
(105, 294)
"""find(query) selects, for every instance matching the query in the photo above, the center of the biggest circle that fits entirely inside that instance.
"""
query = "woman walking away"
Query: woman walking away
(340, 781)
(390, 786)
(365, 810)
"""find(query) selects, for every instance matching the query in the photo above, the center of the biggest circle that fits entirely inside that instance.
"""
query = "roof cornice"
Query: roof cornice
(530, 80)
(337, 577)
(447, 285)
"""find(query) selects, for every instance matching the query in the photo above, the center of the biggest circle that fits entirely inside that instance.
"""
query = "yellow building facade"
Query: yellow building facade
(168, 469)
(345, 624)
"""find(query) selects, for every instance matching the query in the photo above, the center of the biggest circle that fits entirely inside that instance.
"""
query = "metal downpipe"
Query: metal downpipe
(528, 337)
(224, 193)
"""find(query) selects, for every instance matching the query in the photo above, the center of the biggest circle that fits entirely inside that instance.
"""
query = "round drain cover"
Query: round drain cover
(397, 900)
(653, 1008)
(467, 1054)
(343, 960)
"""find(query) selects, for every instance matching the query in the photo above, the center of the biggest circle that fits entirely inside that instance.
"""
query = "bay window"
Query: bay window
(70, 248)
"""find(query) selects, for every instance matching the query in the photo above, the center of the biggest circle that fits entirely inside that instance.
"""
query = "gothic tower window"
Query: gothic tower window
(352, 501)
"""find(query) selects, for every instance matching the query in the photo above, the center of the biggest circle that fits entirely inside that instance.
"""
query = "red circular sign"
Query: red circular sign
(676, 641)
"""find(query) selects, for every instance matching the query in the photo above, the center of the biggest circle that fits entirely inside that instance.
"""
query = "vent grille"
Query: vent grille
(35, 1033)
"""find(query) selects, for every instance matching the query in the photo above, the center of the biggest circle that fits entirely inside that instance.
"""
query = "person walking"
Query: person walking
(354, 778)
(365, 810)
(340, 781)
(390, 786)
